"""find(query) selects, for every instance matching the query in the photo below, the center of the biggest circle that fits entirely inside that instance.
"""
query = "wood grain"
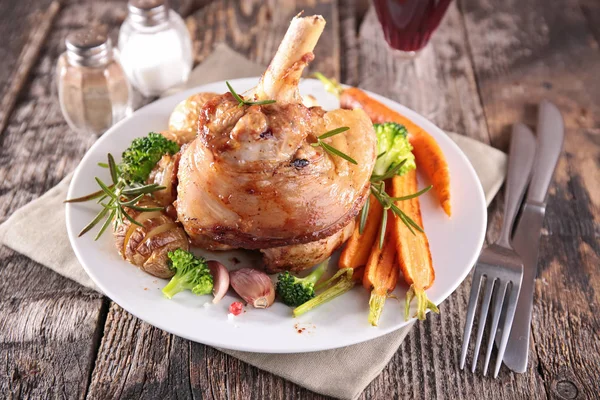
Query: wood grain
(50, 326)
(255, 28)
(487, 66)
(519, 59)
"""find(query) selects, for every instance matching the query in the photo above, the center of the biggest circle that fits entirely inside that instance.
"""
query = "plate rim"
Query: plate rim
(249, 348)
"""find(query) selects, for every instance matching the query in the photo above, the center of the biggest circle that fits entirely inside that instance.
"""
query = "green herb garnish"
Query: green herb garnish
(330, 149)
(243, 102)
(387, 202)
(115, 198)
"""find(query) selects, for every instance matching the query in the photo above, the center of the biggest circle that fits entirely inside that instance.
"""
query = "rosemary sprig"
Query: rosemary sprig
(387, 202)
(114, 198)
(243, 102)
(330, 149)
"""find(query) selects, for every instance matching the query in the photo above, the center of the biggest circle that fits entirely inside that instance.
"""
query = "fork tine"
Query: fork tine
(496, 312)
(510, 313)
(485, 306)
(475, 286)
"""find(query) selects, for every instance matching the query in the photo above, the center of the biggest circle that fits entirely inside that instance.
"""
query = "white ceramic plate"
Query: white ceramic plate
(455, 244)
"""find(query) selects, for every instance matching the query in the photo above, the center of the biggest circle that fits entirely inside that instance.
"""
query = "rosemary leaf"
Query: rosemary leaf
(259, 103)
(404, 218)
(105, 188)
(235, 95)
(88, 197)
(94, 222)
(412, 196)
(146, 208)
(363, 215)
(146, 189)
(132, 201)
(388, 174)
(112, 166)
(334, 151)
(333, 132)
(101, 199)
(106, 224)
(413, 223)
(133, 221)
(383, 228)
(242, 102)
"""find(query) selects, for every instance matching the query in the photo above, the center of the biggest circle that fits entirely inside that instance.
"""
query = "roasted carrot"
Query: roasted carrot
(412, 247)
(428, 154)
(358, 247)
(381, 272)
(432, 162)
(358, 273)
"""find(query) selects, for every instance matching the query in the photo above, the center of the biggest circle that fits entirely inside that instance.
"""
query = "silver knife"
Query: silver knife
(550, 137)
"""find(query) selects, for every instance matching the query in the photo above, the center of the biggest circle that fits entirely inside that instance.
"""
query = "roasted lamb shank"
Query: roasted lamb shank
(251, 179)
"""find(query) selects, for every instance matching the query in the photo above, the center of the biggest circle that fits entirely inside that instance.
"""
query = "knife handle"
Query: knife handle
(520, 161)
(549, 146)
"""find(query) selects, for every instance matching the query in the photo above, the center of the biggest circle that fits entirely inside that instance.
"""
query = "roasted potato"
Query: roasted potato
(183, 122)
(147, 246)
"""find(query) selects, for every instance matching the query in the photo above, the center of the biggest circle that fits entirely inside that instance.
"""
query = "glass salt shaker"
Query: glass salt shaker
(92, 88)
(155, 46)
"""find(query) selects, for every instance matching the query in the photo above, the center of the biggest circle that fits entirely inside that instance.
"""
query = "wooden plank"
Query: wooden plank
(138, 360)
(43, 23)
(591, 11)
(524, 52)
(439, 83)
(15, 19)
(51, 326)
(50, 331)
(255, 29)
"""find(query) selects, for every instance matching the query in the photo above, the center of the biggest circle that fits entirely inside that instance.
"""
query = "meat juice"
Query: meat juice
(408, 24)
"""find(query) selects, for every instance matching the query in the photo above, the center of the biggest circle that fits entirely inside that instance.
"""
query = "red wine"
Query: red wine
(408, 24)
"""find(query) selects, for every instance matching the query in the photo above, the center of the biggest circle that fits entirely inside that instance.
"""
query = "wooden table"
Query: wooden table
(487, 67)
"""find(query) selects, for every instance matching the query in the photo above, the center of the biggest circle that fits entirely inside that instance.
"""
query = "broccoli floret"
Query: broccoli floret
(393, 147)
(143, 154)
(295, 291)
(191, 273)
(335, 286)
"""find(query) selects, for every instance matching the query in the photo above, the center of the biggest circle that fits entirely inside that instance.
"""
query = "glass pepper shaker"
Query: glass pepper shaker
(155, 46)
(92, 87)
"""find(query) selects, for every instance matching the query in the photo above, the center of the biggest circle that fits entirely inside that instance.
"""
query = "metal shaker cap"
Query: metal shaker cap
(89, 47)
(146, 13)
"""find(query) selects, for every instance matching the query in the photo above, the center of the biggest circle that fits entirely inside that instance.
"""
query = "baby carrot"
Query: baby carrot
(381, 272)
(431, 160)
(413, 251)
(358, 247)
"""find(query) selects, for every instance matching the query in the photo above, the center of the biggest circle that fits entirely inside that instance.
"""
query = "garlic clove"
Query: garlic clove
(254, 286)
(220, 276)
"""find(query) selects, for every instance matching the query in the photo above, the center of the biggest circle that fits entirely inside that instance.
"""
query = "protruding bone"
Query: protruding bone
(280, 80)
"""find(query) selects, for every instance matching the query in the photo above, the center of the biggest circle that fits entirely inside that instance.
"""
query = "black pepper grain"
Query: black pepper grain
(300, 163)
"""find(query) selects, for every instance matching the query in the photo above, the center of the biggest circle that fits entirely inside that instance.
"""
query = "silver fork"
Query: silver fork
(498, 263)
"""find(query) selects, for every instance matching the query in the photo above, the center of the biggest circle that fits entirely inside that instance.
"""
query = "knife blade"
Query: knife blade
(526, 239)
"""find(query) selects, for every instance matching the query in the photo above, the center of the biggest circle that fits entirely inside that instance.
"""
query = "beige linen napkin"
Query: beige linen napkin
(341, 373)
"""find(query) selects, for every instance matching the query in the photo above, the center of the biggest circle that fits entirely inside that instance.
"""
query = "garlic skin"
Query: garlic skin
(254, 286)
(221, 279)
